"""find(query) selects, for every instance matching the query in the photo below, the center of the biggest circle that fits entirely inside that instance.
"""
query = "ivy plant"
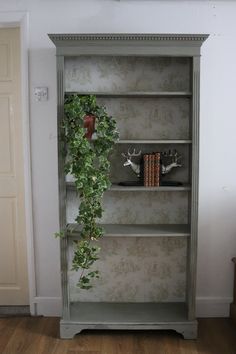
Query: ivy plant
(88, 162)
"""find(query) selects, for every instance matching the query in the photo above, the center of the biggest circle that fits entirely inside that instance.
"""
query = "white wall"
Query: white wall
(217, 222)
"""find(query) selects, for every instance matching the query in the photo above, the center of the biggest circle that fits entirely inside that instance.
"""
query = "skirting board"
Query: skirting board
(48, 306)
(205, 306)
(10, 311)
(213, 306)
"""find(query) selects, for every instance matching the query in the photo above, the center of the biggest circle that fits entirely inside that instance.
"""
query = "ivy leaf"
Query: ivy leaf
(59, 234)
(88, 162)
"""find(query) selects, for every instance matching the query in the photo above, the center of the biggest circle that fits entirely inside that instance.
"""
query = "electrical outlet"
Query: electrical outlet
(41, 93)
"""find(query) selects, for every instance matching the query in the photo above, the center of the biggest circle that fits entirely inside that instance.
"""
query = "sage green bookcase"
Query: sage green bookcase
(150, 84)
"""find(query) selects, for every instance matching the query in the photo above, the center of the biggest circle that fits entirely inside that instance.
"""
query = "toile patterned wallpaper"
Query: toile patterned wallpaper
(141, 208)
(119, 74)
(150, 118)
(137, 269)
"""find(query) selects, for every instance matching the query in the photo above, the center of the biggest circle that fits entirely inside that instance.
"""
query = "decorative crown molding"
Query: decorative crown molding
(58, 38)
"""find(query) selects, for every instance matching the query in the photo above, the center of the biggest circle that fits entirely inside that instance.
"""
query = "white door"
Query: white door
(13, 258)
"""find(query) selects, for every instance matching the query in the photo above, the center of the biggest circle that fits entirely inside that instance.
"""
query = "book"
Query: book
(145, 170)
(151, 169)
(157, 169)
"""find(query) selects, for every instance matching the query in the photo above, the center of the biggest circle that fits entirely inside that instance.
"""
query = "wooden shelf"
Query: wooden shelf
(157, 141)
(127, 313)
(118, 188)
(134, 94)
(137, 230)
(128, 316)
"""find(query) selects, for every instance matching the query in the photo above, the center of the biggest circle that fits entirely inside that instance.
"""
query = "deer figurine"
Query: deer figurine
(174, 158)
(135, 166)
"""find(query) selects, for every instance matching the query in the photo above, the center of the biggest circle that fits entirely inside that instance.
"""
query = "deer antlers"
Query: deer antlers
(173, 155)
(131, 154)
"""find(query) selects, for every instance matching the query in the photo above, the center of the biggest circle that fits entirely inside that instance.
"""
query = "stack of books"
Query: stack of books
(151, 169)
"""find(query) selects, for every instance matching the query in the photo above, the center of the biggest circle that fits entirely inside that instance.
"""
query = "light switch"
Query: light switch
(41, 93)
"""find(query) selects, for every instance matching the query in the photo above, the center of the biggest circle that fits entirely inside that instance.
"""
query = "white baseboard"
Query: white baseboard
(48, 306)
(205, 306)
(213, 306)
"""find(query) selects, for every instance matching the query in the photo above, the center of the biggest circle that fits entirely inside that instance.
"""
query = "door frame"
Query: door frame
(19, 19)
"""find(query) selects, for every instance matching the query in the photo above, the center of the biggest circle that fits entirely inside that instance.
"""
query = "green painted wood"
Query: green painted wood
(158, 141)
(137, 230)
(129, 316)
(117, 188)
(62, 188)
(128, 44)
(105, 312)
(134, 94)
(192, 254)
(180, 317)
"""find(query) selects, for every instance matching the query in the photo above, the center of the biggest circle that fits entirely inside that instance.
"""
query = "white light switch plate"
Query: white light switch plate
(41, 93)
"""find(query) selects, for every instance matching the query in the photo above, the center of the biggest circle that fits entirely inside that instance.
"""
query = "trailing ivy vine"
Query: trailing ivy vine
(88, 162)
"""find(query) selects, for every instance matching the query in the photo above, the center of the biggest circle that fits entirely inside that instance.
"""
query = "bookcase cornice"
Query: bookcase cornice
(128, 44)
(59, 38)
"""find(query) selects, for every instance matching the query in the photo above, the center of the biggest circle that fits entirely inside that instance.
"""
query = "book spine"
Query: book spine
(149, 170)
(145, 170)
(153, 170)
(157, 169)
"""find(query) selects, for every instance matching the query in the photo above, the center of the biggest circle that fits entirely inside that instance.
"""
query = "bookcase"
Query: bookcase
(150, 85)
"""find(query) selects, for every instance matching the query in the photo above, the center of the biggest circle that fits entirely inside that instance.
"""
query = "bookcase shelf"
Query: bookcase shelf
(117, 313)
(151, 84)
(118, 188)
(136, 230)
(123, 316)
(167, 94)
(158, 141)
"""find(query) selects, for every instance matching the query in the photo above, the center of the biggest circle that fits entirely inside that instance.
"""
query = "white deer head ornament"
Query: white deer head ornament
(174, 161)
(135, 166)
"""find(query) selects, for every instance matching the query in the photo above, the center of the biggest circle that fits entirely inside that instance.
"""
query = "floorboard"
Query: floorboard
(40, 335)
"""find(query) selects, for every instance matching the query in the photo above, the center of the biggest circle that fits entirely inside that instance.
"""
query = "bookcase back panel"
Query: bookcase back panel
(150, 118)
(136, 270)
(121, 173)
(137, 208)
(121, 74)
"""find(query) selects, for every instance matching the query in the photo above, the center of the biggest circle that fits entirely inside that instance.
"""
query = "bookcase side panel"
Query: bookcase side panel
(192, 253)
(62, 189)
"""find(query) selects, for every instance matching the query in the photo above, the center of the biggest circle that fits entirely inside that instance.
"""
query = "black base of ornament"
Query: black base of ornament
(131, 183)
(171, 183)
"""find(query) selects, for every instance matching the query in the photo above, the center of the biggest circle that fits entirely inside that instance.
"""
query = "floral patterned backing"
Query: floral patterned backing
(121, 74)
(137, 269)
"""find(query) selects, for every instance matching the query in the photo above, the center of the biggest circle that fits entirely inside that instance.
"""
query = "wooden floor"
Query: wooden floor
(39, 335)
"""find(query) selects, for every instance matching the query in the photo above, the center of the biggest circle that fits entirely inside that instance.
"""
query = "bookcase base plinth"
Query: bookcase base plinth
(187, 329)
(128, 316)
